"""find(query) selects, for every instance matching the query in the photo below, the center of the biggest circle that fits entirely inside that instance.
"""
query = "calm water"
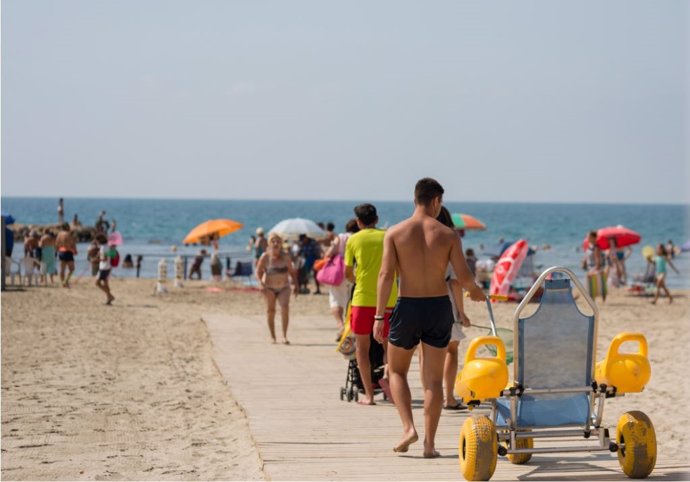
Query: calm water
(150, 227)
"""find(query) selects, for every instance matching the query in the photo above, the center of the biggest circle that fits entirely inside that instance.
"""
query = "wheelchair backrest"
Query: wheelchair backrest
(555, 345)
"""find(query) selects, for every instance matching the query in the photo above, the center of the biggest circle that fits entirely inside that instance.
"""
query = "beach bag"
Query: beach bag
(114, 257)
(333, 272)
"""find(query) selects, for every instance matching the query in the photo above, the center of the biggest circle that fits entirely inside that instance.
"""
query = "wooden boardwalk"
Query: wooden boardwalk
(303, 430)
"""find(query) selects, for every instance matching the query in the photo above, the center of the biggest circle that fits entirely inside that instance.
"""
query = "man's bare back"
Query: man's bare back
(423, 247)
(65, 242)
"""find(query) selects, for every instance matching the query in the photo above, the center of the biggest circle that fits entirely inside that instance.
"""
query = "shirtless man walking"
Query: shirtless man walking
(419, 250)
(67, 249)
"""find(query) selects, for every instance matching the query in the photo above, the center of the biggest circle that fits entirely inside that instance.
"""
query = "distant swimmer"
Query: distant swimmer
(419, 250)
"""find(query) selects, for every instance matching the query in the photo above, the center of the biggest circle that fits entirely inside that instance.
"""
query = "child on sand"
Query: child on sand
(661, 260)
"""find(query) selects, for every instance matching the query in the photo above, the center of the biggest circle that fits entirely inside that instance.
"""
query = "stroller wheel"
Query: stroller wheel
(356, 395)
(349, 395)
(342, 393)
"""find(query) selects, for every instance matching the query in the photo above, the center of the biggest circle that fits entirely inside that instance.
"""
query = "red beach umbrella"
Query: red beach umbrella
(620, 234)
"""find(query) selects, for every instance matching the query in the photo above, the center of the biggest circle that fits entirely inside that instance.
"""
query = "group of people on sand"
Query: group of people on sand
(408, 284)
(43, 252)
(608, 267)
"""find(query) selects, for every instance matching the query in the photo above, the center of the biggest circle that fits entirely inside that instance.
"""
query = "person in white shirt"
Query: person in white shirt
(104, 268)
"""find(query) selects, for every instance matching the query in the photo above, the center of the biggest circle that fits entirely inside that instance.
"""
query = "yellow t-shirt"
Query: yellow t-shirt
(365, 249)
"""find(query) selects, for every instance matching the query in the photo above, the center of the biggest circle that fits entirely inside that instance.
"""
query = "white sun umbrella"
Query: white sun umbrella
(290, 229)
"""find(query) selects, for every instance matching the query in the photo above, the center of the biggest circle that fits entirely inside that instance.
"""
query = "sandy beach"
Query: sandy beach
(132, 391)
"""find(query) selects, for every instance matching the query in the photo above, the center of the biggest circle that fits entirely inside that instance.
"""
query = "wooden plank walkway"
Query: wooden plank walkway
(291, 395)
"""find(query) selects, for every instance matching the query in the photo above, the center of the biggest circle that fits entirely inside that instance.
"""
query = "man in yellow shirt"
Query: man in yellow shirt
(364, 251)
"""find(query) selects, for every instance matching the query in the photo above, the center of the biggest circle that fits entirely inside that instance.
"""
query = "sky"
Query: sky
(531, 101)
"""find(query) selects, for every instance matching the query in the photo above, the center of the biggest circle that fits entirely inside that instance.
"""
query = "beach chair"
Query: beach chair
(243, 272)
(558, 392)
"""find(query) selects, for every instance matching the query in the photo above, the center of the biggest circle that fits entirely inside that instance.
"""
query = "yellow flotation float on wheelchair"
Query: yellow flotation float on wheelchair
(558, 391)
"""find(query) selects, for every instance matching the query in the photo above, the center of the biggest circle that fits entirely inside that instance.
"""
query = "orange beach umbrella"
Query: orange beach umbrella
(212, 227)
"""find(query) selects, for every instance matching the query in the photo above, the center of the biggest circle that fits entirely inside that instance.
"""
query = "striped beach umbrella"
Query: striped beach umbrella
(467, 222)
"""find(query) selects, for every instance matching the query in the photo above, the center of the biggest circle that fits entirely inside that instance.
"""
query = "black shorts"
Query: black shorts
(66, 256)
(427, 319)
(103, 274)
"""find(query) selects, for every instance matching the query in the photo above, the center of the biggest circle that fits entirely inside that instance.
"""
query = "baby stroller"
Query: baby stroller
(559, 389)
(353, 382)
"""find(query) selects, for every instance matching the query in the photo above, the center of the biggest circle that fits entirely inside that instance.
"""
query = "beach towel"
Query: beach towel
(596, 282)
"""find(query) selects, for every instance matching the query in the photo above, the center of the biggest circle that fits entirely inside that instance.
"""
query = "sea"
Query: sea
(150, 227)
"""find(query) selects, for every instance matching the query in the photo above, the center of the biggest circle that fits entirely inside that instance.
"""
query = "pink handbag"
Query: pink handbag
(333, 272)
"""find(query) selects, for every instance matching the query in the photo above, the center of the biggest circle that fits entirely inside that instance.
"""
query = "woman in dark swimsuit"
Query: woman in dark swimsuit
(274, 270)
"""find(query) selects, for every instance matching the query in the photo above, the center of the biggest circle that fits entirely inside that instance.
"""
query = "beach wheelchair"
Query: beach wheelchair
(559, 391)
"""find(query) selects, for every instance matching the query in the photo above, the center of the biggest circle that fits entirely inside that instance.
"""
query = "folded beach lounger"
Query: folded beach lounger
(558, 390)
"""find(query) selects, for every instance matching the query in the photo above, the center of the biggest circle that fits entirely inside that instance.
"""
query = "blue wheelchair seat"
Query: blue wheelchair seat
(554, 351)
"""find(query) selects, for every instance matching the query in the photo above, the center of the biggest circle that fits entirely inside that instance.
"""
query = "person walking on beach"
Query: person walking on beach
(419, 250)
(61, 211)
(460, 320)
(47, 245)
(104, 268)
(309, 251)
(196, 265)
(260, 245)
(617, 260)
(274, 271)
(92, 256)
(67, 250)
(661, 260)
(595, 264)
(339, 296)
(364, 251)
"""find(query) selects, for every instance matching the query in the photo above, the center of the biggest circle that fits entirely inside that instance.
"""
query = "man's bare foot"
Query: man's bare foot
(274, 341)
(430, 452)
(366, 401)
(433, 454)
(286, 341)
(110, 300)
(407, 440)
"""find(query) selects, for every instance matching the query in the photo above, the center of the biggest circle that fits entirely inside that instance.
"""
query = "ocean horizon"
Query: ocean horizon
(150, 226)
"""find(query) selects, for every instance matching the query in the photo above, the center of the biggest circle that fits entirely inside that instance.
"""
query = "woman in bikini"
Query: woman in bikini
(274, 270)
